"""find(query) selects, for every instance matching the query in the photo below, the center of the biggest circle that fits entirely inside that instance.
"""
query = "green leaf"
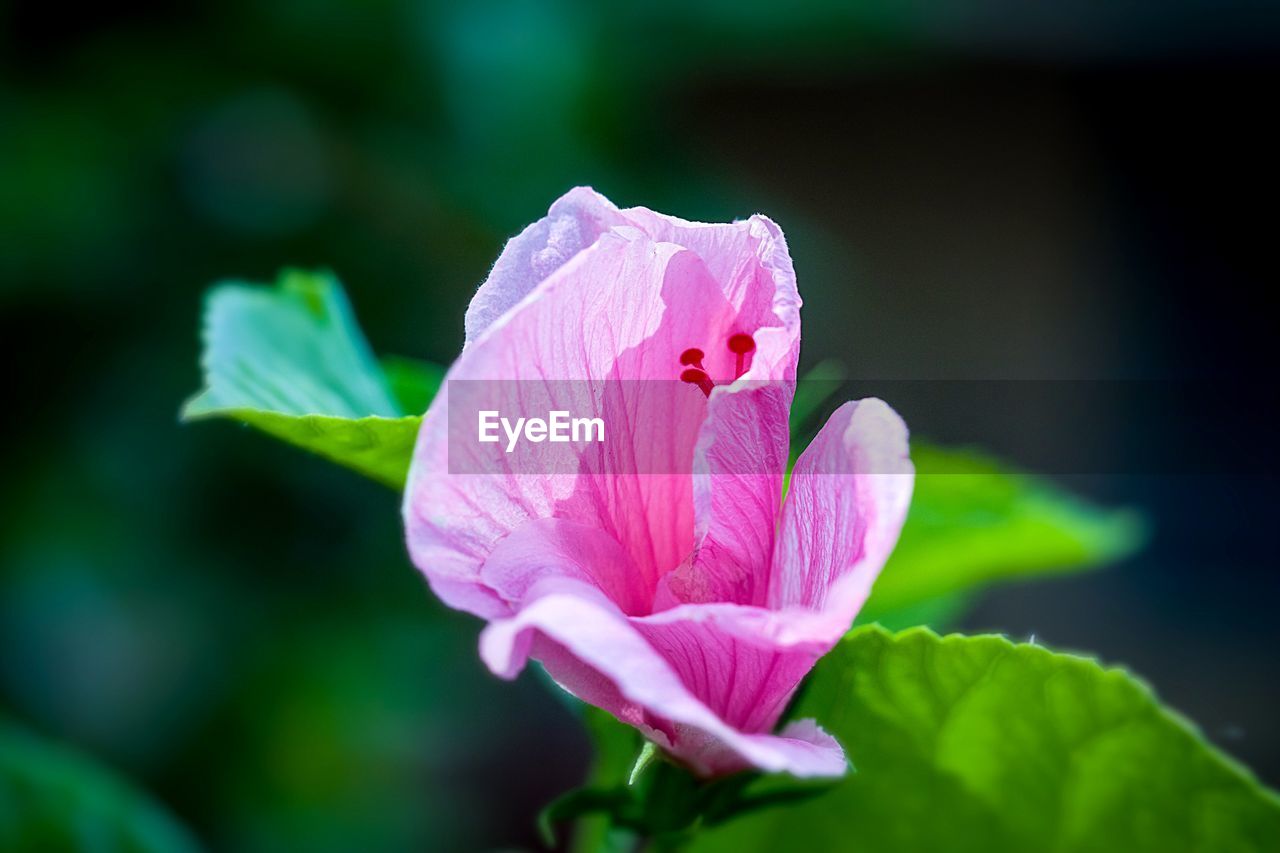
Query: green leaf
(54, 800)
(291, 361)
(978, 744)
(973, 522)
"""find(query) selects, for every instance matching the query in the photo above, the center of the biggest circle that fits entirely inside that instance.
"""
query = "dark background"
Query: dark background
(1009, 191)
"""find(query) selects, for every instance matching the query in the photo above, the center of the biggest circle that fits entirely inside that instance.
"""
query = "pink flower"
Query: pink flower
(688, 599)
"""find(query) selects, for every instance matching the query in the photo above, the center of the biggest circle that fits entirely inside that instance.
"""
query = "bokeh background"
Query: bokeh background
(1000, 191)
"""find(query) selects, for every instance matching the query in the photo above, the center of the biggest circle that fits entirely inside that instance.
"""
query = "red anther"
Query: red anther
(700, 378)
(741, 345)
(692, 357)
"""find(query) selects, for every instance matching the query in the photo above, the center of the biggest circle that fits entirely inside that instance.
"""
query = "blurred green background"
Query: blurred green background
(969, 192)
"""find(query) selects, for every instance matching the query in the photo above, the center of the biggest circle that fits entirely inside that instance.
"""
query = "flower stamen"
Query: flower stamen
(694, 376)
(741, 345)
(692, 357)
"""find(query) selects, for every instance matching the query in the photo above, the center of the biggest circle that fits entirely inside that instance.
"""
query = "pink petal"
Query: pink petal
(739, 464)
(637, 331)
(572, 224)
(848, 498)
(751, 262)
(746, 682)
(748, 259)
(593, 650)
(721, 672)
(555, 548)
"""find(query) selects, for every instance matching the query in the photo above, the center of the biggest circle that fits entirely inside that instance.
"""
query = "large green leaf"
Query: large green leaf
(978, 744)
(973, 522)
(54, 800)
(291, 361)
